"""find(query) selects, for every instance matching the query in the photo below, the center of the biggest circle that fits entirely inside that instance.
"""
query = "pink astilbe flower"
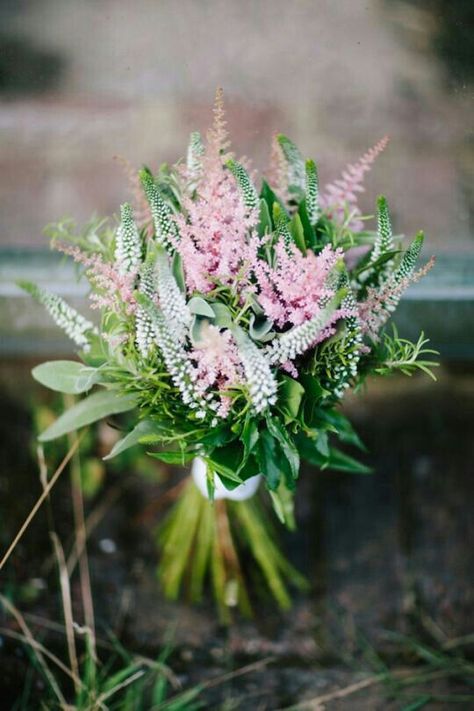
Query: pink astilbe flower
(290, 368)
(294, 289)
(218, 365)
(340, 197)
(115, 291)
(213, 237)
(381, 302)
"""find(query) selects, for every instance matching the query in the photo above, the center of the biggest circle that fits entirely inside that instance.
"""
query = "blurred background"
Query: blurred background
(84, 81)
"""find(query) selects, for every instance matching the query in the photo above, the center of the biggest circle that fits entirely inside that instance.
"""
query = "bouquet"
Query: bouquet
(232, 321)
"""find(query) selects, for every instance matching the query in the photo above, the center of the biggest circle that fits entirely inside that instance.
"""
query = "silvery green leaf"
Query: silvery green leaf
(222, 316)
(196, 330)
(92, 408)
(66, 376)
(199, 306)
(260, 329)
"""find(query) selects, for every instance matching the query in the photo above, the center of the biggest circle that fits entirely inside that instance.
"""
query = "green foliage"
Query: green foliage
(392, 354)
(208, 551)
(92, 408)
(96, 237)
(66, 376)
(295, 166)
(312, 192)
(249, 192)
(273, 420)
(165, 227)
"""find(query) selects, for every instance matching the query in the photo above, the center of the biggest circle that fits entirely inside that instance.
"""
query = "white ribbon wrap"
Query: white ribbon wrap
(240, 493)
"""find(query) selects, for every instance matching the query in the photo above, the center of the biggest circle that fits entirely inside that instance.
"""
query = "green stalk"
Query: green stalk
(183, 524)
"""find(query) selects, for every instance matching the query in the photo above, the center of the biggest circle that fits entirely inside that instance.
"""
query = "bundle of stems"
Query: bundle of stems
(204, 540)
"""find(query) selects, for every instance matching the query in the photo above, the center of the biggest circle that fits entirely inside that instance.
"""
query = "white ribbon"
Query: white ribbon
(240, 493)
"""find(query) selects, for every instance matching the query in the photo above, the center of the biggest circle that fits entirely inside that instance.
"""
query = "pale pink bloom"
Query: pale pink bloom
(115, 290)
(340, 197)
(213, 237)
(294, 289)
(290, 368)
(380, 302)
(277, 171)
(217, 364)
(214, 233)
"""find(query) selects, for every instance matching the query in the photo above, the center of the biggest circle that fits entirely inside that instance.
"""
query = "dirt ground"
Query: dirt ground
(388, 556)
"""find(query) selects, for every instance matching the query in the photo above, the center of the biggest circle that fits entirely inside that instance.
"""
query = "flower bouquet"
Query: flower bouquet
(232, 321)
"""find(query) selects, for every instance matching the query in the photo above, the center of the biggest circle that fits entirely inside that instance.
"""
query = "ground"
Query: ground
(387, 555)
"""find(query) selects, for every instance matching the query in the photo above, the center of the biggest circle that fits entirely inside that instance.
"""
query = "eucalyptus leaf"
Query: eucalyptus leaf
(197, 329)
(199, 306)
(66, 376)
(222, 315)
(259, 328)
(92, 408)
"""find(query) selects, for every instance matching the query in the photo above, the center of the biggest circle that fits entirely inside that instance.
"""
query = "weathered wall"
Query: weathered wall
(88, 80)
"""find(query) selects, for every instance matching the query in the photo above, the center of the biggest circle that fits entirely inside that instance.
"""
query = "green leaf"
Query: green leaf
(287, 445)
(338, 423)
(345, 463)
(249, 437)
(199, 306)
(290, 393)
(296, 229)
(322, 443)
(269, 459)
(66, 376)
(265, 221)
(308, 230)
(336, 460)
(227, 461)
(283, 505)
(222, 315)
(178, 271)
(176, 457)
(143, 429)
(218, 436)
(271, 198)
(259, 328)
(91, 409)
(295, 163)
(196, 330)
(314, 392)
(386, 257)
